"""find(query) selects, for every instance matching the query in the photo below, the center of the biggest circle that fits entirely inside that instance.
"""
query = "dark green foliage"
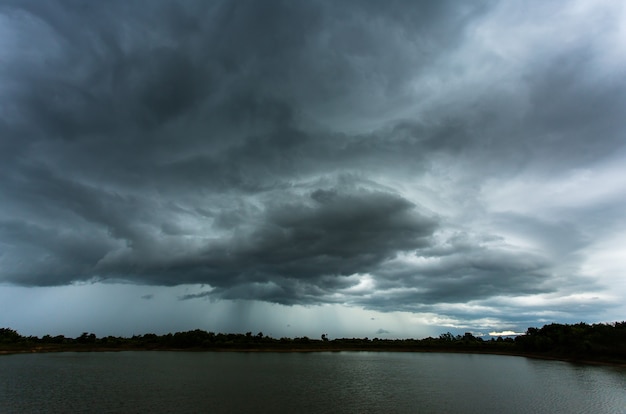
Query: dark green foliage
(580, 341)
(9, 336)
(447, 337)
(87, 338)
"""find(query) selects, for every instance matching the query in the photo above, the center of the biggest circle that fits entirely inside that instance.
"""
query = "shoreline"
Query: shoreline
(572, 360)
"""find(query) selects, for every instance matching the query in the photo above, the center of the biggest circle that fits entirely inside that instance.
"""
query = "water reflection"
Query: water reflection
(344, 382)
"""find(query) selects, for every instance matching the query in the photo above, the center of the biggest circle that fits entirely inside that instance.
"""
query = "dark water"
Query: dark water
(344, 382)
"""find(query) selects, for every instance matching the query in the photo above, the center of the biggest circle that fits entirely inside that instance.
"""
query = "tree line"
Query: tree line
(571, 341)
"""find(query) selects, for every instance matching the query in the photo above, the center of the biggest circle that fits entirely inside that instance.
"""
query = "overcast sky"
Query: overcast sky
(360, 168)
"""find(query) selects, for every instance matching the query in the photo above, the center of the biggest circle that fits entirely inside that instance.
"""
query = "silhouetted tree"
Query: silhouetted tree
(448, 337)
(86, 338)
(8, 335)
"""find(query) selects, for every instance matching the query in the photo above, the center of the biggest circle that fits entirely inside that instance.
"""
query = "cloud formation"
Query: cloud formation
(408, 156)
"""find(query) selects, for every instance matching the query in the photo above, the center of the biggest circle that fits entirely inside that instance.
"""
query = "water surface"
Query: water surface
(324, 382)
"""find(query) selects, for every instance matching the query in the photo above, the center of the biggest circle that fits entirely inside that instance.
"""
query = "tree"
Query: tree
(86, 338)
(448, 337)
(8, 335)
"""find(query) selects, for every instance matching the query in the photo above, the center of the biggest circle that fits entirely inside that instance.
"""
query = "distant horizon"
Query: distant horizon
(290, 320)
(378, 336)
(322, 337)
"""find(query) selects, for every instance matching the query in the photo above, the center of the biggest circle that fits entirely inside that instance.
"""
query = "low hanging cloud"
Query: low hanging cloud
(402, 156)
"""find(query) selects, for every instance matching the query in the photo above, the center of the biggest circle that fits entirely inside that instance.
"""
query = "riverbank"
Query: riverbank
(300, 349)
(600, 344)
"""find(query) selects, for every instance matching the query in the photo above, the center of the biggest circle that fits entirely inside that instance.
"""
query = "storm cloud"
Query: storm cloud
(413, 156)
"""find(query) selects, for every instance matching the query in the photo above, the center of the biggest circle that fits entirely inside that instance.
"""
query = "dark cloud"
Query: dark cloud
(303, 152)
(202, 294)
(299, 250)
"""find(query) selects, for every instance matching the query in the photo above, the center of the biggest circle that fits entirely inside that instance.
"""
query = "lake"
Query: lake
(317, 382)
